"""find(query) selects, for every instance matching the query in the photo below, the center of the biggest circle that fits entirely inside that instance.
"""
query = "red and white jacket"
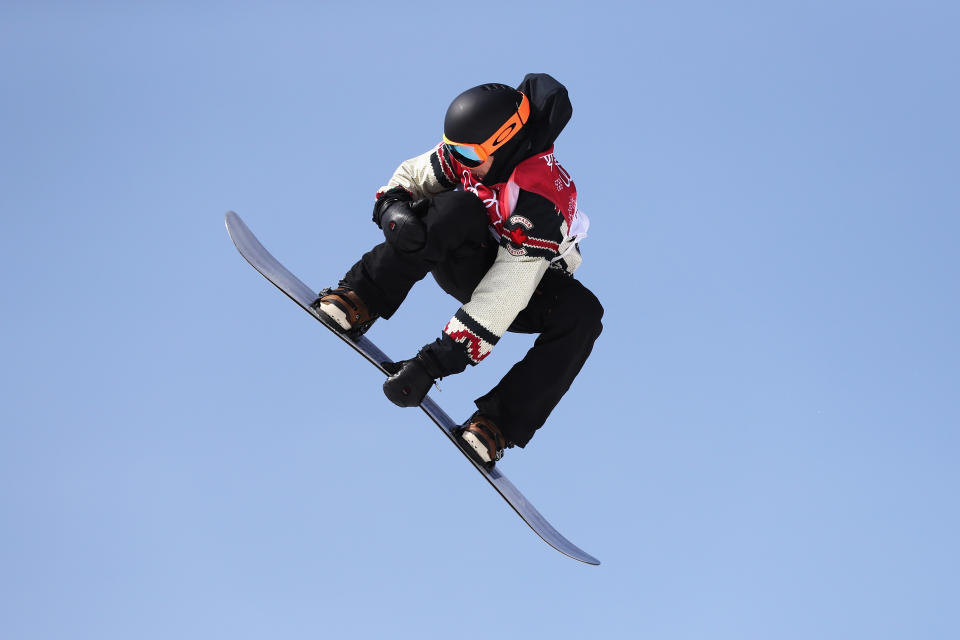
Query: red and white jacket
(534, 217)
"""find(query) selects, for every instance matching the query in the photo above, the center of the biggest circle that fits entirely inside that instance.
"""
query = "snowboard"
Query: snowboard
(271, 269)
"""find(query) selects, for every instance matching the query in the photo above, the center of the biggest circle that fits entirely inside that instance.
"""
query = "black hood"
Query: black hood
(550, 111)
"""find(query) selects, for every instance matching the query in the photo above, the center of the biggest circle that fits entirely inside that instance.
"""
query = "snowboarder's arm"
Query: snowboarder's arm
(466, 340)
(531, 238)
(425, 176)
(502, 294)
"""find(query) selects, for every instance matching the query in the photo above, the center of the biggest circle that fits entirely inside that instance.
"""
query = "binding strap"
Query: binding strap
(489, 434)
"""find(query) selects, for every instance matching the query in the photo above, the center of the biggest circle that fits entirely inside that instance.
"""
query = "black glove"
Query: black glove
(410, 380)
(400, 218)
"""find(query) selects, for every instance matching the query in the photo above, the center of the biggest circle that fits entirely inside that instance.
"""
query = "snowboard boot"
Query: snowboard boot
(346, 309)
(482, 440)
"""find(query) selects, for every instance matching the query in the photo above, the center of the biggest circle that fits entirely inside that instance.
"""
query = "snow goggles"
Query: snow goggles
(473, 155)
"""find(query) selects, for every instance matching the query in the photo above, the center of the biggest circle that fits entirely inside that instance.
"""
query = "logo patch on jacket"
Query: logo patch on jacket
(515, 232)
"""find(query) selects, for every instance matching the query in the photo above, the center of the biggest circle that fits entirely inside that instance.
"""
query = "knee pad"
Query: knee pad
(402, 229)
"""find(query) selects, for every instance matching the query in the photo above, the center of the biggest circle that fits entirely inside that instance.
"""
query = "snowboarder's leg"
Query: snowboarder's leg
(568, 318)
(456, 232)
(470, 248)
(383, 277)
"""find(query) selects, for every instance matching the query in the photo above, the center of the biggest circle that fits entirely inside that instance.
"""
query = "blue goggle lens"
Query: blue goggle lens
(465, 152)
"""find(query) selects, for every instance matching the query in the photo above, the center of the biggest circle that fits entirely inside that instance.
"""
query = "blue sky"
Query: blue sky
(763, 445)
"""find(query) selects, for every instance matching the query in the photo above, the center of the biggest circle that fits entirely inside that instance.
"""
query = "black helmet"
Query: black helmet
(482, 119)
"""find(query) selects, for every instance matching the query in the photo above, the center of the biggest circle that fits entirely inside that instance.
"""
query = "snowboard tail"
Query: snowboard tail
(271, 269)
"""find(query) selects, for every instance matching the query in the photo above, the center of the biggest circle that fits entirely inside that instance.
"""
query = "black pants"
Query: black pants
(458, 252)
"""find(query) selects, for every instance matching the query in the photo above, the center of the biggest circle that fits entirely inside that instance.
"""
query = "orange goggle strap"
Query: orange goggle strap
(502, 135)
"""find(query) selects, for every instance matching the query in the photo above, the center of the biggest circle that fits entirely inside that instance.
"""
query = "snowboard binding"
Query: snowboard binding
(349, 314)
(482, 440)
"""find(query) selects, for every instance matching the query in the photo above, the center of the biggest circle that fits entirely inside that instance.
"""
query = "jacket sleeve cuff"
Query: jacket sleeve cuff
(476, 340)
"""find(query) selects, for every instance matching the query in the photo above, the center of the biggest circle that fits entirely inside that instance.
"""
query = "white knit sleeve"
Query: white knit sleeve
(425, 176)
(503, 293)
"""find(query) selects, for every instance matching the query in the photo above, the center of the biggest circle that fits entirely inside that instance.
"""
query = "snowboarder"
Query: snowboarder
(493, 216)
